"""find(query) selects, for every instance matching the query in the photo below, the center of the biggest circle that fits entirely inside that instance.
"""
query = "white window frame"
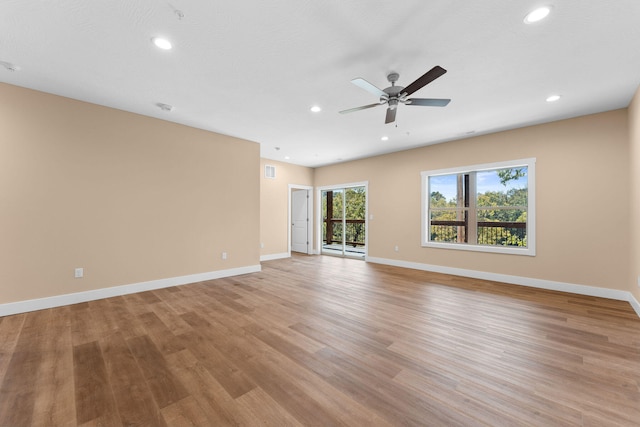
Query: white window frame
(319, 190)
(530, 250)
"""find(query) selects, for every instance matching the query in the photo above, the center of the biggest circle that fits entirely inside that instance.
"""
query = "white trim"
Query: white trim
(481, 167)
(75, 298)
(551, 285)
(271, 257)
(317, 250)
(634, 303)
(511, 250)
(340, 186)
(530, 250)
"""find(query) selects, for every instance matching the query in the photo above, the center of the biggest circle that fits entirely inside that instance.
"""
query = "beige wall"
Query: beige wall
(582, 179)
(274, 202)
(127, 197)
(132, 199)
(634, 138)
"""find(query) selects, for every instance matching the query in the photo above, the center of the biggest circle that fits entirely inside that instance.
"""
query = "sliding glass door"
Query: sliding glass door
(344, 221)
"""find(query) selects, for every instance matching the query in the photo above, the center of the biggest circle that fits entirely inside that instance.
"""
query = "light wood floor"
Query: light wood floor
(325, 341)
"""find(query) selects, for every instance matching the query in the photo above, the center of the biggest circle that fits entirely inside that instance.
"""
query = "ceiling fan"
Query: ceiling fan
(394, 95)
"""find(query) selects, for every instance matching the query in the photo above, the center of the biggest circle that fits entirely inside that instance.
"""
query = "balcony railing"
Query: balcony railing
(489, 233)
(354, 231)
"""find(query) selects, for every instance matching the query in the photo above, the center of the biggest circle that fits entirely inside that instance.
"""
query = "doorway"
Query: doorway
(300, 226)
(343, 221)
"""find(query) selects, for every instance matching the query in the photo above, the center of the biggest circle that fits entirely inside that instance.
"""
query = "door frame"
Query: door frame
(309, 189)
(318, 216)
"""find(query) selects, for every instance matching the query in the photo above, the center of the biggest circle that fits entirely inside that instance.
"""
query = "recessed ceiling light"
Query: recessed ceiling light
(316, 109)
(553, 98)
(537, 15)
(161, 43)
(384, 138)
(287, 157)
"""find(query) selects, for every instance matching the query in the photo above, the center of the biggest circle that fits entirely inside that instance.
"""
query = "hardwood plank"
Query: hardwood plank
(315, 340)
(102, 317)
(148, 297)
(223, 367)
(250, 359)
(82, 325)
(10, 327)
(136, 304)
(134, 399)
(93, 395)
(54, 400)
(323, 379)
(460, 402)
(123, 319)
(17, 394)
(166, 388)
(166, 340)
(217, 406)
(170, 318)
(185, 412)
(257, 406)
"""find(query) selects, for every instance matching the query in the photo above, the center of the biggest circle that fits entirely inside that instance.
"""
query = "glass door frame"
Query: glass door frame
(319, 220)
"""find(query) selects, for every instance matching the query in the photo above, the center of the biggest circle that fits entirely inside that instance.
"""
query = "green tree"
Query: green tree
(516, 197)
(440, 233)
(354, 208)
(506, 206)
(507, 175)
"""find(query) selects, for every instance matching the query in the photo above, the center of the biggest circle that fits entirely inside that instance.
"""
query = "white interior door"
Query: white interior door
(299, 221)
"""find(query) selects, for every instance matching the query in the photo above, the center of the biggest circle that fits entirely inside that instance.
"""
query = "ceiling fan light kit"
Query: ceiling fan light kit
(395, 95)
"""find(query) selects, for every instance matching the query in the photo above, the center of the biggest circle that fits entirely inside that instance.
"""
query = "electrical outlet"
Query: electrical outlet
(261, 245)
(224, 255)
(638, 281)
(397, 249)
(79, 273)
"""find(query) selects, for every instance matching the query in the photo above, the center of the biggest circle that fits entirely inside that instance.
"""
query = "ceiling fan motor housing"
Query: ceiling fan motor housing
(392, 92)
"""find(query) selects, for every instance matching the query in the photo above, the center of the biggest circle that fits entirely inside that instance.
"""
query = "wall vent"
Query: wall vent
(269, 171)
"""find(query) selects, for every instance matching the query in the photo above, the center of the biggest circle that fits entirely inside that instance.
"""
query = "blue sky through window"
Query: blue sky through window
(486, 181)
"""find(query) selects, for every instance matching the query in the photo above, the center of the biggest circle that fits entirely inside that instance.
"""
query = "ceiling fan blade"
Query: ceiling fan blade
(391, 115)
(426, 78)
(362, 83)
(428, 102)
(364, 107)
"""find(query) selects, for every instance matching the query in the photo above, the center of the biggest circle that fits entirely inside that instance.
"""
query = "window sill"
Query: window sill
(481, 248)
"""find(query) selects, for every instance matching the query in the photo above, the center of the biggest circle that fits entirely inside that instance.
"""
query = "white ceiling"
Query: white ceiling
(253, 68)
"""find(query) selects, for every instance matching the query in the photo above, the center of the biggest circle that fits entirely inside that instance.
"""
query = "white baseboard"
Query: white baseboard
(67, 299)
(271, 257)
(593, 291)
(634, 303)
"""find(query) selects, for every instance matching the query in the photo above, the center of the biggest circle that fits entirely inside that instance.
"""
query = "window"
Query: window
(489, 208)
